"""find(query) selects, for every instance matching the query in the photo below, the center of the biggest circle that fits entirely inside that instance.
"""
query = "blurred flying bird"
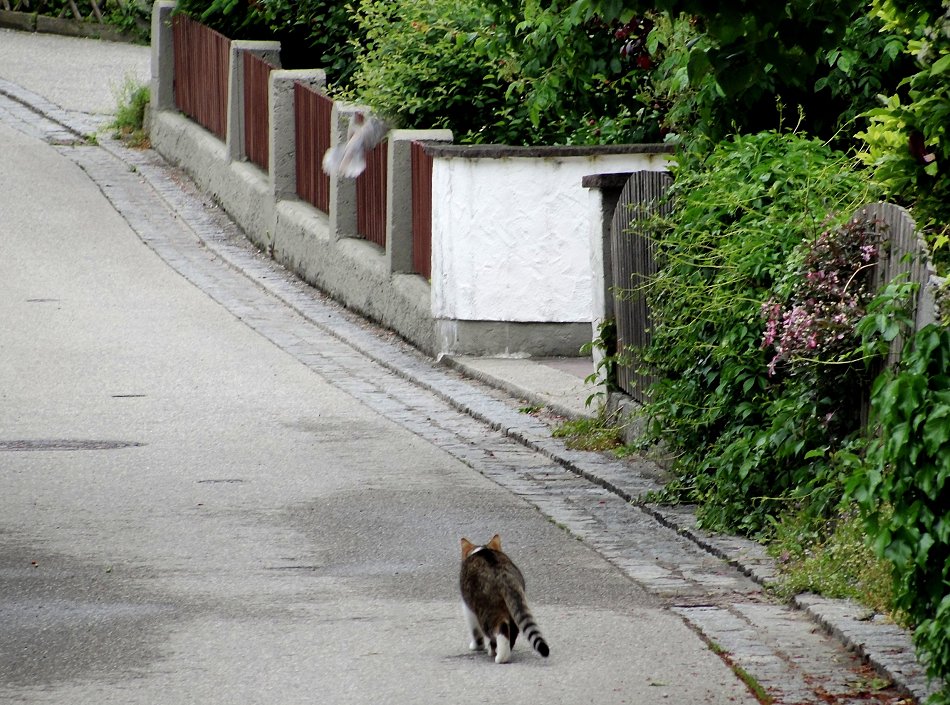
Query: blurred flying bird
(349, 158)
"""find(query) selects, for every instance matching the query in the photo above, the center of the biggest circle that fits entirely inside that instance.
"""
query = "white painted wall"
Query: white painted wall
(511, 235)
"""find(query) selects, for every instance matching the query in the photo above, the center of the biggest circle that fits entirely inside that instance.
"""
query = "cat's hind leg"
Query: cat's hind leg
(502, 645)
(475, 631)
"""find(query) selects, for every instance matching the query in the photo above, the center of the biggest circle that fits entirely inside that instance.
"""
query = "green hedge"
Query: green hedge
(746, 222)
(904, 489)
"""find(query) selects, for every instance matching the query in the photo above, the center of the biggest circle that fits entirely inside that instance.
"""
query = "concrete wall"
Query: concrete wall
(511, 233)
(349, 269)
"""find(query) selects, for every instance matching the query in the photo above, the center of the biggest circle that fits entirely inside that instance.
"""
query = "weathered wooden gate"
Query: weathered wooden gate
(902, 253)
(632, 251)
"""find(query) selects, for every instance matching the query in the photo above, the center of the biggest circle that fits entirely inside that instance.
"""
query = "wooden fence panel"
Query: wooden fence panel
(632, 261)
(201, 74)
(256, 113)
(312, 111)
(371, 196)
(902, 253)
(421, 210)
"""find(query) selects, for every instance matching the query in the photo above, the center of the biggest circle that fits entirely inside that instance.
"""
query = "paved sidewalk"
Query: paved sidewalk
(60, 117)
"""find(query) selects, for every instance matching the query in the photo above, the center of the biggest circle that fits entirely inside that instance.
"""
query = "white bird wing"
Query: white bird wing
(349, 159)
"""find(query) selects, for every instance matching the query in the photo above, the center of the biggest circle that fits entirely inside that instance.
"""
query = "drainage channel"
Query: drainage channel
(63, 444)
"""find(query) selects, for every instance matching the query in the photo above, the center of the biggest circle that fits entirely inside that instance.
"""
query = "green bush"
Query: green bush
(904, 488)
(584, 79)
(425, 66)
(133, 18)
(908, 144)
(233, 18)
(509, 72)
(745, 442)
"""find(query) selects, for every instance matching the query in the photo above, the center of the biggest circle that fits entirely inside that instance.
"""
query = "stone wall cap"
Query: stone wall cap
(502, 151)
(606, 181)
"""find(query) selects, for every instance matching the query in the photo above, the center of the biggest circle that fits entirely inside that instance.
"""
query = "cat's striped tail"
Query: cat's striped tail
(518, 608)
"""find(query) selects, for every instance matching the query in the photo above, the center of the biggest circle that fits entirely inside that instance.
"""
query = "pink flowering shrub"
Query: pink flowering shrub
(831, 293)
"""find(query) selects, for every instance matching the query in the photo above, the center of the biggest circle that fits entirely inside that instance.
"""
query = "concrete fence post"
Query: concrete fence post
(163, 57)
(283, 130)
(399, 194)
(342, 189)
(266, 50)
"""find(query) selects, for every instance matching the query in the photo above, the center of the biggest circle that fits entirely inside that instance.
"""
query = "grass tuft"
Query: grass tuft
(596, 434)
(831, 559)
(129, 124)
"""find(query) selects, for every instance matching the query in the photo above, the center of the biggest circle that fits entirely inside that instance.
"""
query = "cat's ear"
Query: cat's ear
(467, 547)
(495, 543)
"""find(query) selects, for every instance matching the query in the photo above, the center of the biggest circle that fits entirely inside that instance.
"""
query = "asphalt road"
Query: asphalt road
(190, 514)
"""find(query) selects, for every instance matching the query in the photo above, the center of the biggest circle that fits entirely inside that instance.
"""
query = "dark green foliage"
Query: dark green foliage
(744, 442)
(747, 61)
(233, 18)
(583, 78)
(312, 33)
(907, 140)
(132, 18)
(867, 62)
(904, 487)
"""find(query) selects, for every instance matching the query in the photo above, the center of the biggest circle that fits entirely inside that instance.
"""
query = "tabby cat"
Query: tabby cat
(494, 601)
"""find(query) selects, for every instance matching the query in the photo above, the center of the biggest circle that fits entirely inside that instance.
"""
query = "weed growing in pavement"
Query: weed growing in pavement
(129, 124)
(595, 434)
(751, 683)
(833, 560)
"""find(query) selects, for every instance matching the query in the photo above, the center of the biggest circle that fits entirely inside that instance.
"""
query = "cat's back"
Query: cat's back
(486, 571)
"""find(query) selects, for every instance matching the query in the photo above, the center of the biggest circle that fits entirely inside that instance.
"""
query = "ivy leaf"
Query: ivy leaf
(937, 430)
(698, 66)
(923, 549)
(940, 65)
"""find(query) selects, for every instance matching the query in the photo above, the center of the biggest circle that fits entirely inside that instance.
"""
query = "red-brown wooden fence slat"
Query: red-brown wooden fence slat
(371, 196)
(312, 124)
(256, 116)
(201, 73)
(421, 210)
